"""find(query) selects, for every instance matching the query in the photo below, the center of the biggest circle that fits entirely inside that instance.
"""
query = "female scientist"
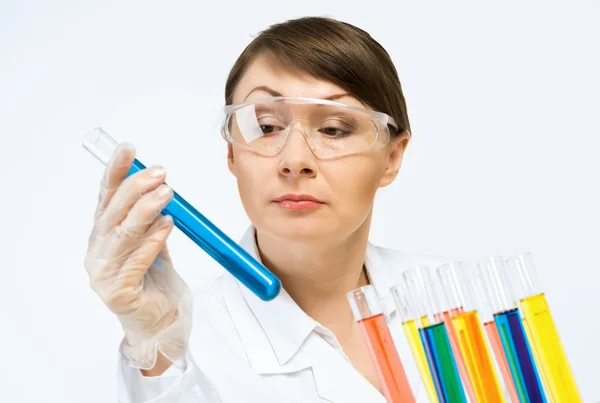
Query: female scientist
(316, 123)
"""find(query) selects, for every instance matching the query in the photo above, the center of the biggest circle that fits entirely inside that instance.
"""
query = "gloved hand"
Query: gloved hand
(129, 265)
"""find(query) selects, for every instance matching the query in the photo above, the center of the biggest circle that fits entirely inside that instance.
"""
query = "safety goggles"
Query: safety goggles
(331, 129)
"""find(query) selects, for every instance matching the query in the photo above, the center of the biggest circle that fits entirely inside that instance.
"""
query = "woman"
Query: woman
(317, 123)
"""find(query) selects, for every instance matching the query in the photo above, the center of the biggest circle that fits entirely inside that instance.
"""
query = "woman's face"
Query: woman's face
(345, 186)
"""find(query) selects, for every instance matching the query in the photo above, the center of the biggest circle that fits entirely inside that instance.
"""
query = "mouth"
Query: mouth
(298, 202)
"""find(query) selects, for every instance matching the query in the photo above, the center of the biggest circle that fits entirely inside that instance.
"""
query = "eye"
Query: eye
(335, 128)
(269, 125)
(269, 129)
(333, 131)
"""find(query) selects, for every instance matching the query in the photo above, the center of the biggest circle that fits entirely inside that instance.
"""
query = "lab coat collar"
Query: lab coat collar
(383, 276)
(284, 323)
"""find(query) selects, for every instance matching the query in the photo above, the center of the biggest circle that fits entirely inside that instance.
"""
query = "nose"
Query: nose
(297, 159)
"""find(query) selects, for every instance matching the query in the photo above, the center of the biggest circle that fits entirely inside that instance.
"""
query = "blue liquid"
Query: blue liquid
(435, 375)
(219, 246)
(442, 364)
(520, 359)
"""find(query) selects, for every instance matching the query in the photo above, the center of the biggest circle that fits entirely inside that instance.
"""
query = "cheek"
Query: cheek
(252, 173)
(355, 184)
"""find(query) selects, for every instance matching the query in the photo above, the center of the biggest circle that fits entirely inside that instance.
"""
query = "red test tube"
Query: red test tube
(369, 315)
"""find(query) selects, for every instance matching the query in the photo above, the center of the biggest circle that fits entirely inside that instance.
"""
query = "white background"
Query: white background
(504, 106)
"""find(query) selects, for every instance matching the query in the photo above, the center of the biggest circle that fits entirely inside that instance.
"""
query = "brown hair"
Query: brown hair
(333, 51)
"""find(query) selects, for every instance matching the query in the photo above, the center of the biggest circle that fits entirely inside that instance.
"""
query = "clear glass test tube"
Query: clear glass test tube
(511, 330)
(198, 228)
(434, 336)
(368, 313)
(409, 318)
(470, 337)
(542, 331)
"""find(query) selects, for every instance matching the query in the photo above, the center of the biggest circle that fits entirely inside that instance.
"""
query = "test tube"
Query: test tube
(408, 317)
(446, 311)
(198, 228)
(551, 356)
(368, 313)
(470, 336)
(434, 336)
(485, 313)
(511, 331)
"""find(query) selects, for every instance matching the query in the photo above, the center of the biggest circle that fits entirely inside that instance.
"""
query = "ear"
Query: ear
(394, 154)
(231, 159)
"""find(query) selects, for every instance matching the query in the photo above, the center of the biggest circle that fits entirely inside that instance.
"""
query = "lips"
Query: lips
(298, 198)
(298, 202)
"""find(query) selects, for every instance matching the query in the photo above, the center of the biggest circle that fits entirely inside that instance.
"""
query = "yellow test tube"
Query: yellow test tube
(408, 316)
(534, 350)
(553, 362)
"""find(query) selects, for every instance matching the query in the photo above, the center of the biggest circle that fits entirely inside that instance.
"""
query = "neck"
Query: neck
(317, 275)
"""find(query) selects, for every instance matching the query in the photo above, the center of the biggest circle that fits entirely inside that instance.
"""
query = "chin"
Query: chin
(301, 227)
(314, 225)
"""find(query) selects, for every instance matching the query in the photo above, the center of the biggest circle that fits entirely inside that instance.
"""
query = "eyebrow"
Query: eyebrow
(278, 94)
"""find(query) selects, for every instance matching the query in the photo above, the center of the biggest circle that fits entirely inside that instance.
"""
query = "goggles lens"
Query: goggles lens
(330, 129)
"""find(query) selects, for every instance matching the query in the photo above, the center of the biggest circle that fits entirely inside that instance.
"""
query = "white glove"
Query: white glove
(129, 265)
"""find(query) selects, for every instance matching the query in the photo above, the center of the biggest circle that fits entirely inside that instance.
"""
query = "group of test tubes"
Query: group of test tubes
(466, 325)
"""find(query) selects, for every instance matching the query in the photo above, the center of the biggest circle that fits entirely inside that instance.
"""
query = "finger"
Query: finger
(115, 172)
(128, 194)
(149, 249)
(162, 273)
(142, 215)
(164, 254)
(158, 233)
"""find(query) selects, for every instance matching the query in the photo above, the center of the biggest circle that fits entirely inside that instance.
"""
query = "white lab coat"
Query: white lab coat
(243, 349)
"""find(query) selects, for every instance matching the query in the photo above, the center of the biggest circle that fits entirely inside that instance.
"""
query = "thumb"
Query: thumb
(150, 246)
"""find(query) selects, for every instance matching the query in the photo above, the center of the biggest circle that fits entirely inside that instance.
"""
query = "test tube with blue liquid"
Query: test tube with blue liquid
(434, 335)
(543, 332)
(243, 266)
(495, 280)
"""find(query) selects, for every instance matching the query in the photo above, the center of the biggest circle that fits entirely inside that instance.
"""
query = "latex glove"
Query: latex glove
(129, 266)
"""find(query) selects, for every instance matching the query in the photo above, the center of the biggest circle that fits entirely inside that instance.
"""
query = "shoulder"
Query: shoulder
(395, 261)
(209, 296)
(213, 323)
(404, 258)
(210, 307)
